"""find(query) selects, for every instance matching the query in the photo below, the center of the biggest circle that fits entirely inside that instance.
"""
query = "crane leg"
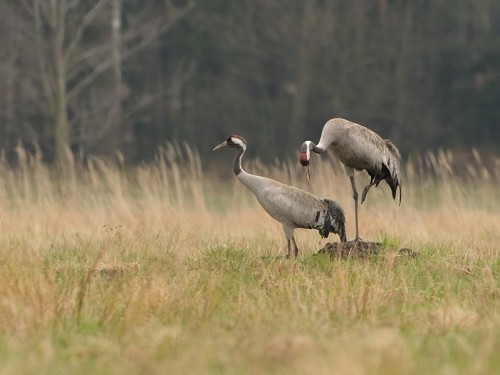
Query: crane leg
(296, 249)
(355, 196)
(289, 238)
(365, 191)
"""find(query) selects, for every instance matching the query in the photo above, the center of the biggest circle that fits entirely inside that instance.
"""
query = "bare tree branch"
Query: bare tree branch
(87, 19)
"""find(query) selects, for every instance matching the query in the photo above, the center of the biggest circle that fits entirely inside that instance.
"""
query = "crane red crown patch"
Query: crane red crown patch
(303, 156)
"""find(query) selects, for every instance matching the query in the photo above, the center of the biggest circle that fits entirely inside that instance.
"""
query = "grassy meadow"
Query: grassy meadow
(164, 269)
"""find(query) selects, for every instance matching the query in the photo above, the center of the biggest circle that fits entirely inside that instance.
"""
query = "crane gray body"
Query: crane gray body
(360, 148)
(292, 207)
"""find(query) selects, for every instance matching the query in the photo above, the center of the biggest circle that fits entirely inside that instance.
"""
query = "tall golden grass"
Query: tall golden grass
(173, 191)
(162, 268)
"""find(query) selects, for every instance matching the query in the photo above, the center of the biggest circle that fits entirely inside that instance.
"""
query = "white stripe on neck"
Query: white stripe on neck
(239, 142)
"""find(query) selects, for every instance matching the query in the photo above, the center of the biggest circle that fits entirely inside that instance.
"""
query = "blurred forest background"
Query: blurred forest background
(96, 76)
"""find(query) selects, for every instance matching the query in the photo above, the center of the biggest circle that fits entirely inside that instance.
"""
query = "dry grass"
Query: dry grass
(160, 269)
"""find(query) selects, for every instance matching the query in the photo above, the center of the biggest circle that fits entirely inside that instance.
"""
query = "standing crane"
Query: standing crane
(358, 148)
(292, 207)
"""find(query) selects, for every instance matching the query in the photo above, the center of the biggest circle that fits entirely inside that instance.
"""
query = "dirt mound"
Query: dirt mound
(360, 249)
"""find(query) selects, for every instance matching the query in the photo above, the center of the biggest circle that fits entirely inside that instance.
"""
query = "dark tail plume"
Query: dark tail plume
(337, 219)
(394, 184)
(392, 175)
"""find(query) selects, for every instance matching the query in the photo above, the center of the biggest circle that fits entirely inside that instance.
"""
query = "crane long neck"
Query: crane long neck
(251, 181)
(319, 148)
(328, 136)
(237, 161)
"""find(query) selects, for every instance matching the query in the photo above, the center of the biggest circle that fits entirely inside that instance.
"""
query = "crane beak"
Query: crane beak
(222, 145)
(305, 163)
(308, 172)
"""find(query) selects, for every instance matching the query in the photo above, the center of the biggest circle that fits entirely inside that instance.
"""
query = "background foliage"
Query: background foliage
(107, 75)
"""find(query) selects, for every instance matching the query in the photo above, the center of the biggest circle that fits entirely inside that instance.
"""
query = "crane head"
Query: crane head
(305, 156)
(233, 141)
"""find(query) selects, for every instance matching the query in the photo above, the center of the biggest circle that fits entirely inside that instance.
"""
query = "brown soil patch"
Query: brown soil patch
(113, 271)
(360, 249)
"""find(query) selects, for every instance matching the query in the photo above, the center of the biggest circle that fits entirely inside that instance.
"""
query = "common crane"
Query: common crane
(292, 207)
(358, 148)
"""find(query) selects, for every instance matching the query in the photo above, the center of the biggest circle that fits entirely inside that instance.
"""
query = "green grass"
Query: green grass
(228, 310)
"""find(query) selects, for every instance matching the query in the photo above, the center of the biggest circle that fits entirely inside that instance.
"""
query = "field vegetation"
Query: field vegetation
(165, 269)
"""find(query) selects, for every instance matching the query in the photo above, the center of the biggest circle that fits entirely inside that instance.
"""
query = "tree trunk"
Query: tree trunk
(401, 77)
(115, 110)
(304, 71)
(62, 156)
